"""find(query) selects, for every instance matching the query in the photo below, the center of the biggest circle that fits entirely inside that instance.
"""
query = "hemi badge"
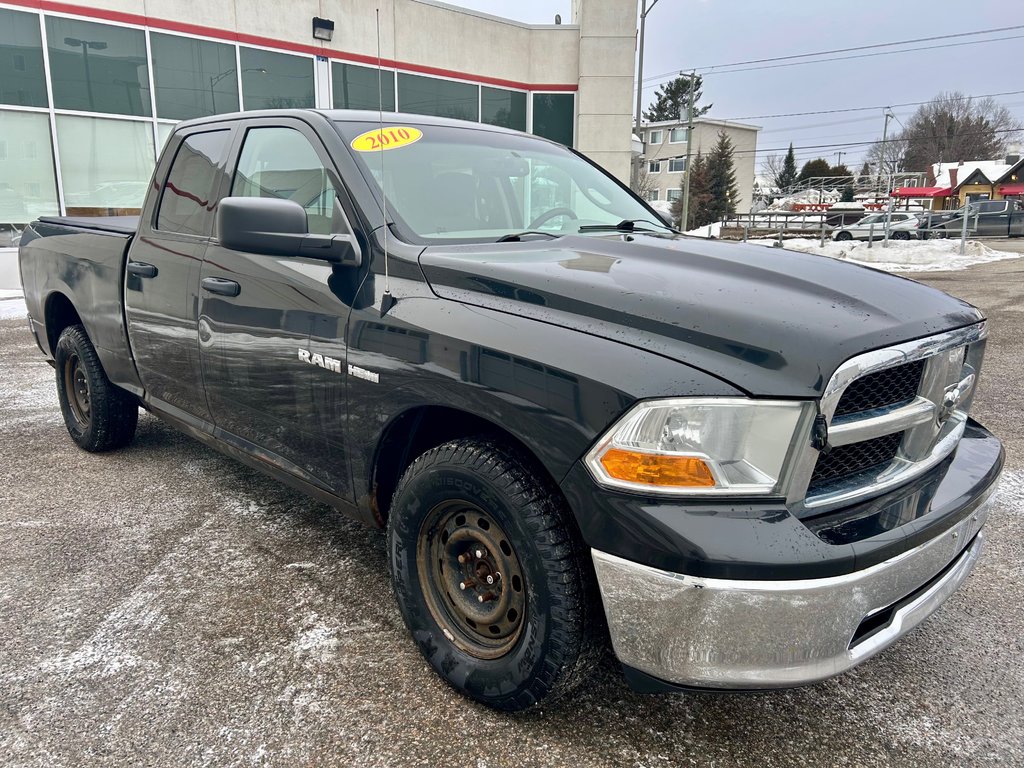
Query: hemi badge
(362, 373)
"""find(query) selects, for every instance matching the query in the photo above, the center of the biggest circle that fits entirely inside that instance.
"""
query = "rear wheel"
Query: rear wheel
(98, 415)
(490, 576)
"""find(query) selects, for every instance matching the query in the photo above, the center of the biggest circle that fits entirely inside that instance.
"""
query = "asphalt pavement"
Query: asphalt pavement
(164, 606)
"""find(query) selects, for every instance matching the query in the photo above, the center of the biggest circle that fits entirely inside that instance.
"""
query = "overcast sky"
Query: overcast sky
(685, 34)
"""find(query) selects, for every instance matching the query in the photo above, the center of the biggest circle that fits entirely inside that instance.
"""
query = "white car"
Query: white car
(902, 226)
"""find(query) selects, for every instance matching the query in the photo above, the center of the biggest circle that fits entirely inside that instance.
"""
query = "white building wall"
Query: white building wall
(607, 52)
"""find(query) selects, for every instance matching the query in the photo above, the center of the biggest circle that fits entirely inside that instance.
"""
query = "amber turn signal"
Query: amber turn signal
(655, 469)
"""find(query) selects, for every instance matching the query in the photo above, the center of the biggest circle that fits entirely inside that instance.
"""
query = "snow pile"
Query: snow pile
(711, 230)
(807, 197)
(901, 255)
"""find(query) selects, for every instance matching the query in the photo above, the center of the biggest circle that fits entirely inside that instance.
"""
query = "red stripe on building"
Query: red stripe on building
(269, 42)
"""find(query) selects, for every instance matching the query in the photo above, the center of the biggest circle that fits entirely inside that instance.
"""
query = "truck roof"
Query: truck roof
(350, 116)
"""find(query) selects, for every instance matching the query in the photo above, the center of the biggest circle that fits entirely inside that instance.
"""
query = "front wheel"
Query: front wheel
(490, 576)
(843, 236)
(98, 415)
(899, 235)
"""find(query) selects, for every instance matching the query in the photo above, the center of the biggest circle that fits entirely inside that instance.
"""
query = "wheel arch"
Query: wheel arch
(59, 313)
(418, 429)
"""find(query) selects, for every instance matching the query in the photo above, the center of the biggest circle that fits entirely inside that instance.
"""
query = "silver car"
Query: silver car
(902, 226)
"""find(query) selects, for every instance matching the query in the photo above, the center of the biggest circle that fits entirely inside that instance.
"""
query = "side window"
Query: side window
(280, 162)
(189, 194)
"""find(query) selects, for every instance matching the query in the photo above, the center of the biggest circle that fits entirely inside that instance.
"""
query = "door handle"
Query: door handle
(221, 286)
(141, 269)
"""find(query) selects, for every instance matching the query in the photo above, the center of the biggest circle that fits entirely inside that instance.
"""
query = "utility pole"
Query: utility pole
(840, 153)
(885, 147)
(684, 218)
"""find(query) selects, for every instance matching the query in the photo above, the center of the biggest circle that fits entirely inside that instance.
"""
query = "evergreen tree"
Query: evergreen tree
(847, 194)
(787, 177)
(672, 99)
(699, 197)
(814, 168)
(721, 181)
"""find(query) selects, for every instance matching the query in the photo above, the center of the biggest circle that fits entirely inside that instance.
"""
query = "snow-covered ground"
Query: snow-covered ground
(900, 256)
(711, 230)
(12, 304)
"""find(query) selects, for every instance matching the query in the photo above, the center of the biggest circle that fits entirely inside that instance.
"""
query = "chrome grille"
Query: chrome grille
(892, 414)
(848, 460)
(893, 386)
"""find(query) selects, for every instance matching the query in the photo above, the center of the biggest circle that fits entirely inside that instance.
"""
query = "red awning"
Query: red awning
(922, 192)
(1011, 189)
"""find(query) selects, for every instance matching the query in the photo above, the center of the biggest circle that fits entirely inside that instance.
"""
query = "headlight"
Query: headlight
(699, 446)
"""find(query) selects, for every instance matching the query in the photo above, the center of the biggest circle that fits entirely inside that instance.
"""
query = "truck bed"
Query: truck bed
(70, 262)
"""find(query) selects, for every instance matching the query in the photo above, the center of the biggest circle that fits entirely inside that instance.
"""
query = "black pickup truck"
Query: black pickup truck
(749, 468)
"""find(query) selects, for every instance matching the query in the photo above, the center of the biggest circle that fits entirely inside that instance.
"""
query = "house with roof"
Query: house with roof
(953, 185)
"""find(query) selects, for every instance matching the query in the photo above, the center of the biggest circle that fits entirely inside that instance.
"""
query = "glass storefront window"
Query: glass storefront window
(276, 80)
(504, 108)
(22, 78)
(28, 187)
(356, 87)
(97, 67)
(163, 130)
(553, 116)
(193, 78)
(441, 98)
(105, 164)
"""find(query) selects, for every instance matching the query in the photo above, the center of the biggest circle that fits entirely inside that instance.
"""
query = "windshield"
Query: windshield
(448, 184)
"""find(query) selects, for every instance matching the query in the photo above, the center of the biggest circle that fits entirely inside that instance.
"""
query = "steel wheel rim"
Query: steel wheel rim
(76, 384)
(460, 545)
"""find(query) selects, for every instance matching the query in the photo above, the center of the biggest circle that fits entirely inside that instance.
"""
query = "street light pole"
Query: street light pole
(881, 155)
(86, 46)
(644, 10)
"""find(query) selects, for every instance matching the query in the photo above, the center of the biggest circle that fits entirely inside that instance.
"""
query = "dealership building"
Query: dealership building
(88, 94)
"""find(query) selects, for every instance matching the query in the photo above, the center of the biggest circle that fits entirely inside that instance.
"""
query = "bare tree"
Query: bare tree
(772, 168)
(890, 157)
(642, 182)
(949, 128)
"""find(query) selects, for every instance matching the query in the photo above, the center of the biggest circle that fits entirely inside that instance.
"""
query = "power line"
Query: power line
(862, 47)
(669, 75)
(857, 109)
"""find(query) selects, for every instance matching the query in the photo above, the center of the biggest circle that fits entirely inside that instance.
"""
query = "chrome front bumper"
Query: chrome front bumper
(718, 633)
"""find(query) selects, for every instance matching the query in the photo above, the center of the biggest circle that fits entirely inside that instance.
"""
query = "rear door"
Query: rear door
(162, 273)
(258, 312)
(994, 219)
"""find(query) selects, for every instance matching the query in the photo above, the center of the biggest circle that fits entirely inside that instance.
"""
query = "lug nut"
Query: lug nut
(485, 597)
(464, 585)
(490, 579)
(463, 558)
(480, 553)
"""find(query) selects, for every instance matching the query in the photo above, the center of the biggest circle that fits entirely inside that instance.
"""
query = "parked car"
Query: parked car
(753, 468)
(985, 218)
(902, 226)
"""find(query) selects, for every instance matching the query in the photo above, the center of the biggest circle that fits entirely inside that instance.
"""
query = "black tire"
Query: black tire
(98, 415)
(843, 236)
(471, 496)
(899, 235)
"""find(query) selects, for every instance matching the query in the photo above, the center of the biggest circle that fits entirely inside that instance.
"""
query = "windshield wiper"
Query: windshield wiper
(515, 237)
(626, 225)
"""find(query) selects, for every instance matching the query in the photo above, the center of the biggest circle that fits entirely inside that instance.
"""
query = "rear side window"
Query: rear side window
(280, 162)
(190, 192)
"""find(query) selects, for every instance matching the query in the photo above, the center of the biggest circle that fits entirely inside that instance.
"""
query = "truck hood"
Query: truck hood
(770, 322)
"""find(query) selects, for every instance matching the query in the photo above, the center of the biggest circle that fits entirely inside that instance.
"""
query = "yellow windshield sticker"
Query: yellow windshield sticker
(391, 137)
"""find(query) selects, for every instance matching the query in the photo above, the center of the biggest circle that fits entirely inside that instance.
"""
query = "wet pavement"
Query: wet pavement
(165, 606)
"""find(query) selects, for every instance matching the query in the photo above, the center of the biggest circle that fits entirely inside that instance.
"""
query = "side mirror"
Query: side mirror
(276, 227)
